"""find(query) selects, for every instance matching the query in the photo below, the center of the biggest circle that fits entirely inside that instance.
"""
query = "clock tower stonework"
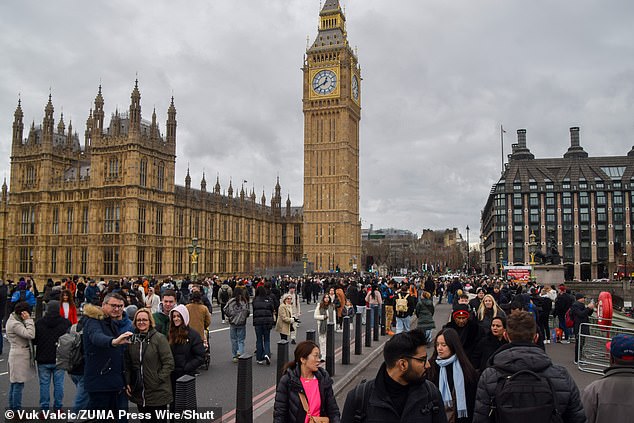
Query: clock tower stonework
(332, 110)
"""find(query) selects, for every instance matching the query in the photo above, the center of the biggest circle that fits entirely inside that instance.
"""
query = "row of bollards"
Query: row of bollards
(375, 325)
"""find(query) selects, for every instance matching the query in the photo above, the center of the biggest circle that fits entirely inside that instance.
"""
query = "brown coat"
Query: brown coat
(199, 318)
(342, 300)
(19, 333)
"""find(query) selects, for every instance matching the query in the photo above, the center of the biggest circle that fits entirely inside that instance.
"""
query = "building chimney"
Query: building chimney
(521, 138)
(574, 136)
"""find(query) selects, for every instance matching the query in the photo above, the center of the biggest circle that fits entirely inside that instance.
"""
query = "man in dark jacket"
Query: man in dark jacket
(107, 332)
(562, 303)
(404, 318)
(47, 332)
(580, 314)
(400, 392)
(464, 322)
(607, 399)
(521, 353)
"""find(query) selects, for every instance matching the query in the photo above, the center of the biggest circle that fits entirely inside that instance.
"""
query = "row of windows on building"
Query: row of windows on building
(112, 224)
(567, 185)
(564, 222)
(228, 261)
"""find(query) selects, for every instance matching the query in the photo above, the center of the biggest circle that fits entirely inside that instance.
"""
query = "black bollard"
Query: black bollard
(368, 327)
(358, 346)
(345, 343)
(310, 335)
(282, 358)
(383, 329)
(375, 331)
(185, 395)
(330, 349)
(244, 391)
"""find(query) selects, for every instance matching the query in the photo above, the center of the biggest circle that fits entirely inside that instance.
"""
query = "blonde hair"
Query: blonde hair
(482, 308)
(149, 316)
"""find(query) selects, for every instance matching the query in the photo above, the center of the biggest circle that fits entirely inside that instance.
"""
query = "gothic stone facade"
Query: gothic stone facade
(111, 208)
(332, 110)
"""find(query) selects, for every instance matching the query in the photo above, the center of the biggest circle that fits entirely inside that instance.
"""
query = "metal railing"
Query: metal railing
(592, 340)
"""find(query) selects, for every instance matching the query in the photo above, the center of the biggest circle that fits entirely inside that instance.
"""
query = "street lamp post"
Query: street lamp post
(194, 252)
(501, 257)
(532, 249)
(625, 265)
(468, 253)
(305, 261)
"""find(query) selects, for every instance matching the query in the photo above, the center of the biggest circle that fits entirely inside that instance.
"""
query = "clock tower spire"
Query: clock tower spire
(332, 110)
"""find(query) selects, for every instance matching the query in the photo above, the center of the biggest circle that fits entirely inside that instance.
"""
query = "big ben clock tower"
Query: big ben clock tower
(332, 110)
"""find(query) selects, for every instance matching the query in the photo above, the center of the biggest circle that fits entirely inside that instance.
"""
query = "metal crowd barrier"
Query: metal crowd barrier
(592, 341)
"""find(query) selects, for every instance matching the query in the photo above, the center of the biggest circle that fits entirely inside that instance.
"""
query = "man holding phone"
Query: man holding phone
(106, 334)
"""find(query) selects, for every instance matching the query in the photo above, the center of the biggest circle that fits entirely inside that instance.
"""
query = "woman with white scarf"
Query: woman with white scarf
(454, 375)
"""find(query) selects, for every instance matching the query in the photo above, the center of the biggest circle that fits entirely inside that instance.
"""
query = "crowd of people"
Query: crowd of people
(139, 336)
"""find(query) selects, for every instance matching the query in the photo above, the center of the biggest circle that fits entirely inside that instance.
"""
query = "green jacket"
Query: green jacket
(153, 357)
(425, 313)
(162, 322)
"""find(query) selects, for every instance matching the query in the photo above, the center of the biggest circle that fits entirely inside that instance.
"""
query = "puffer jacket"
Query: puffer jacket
(425, 313)
(188, 356)
(263, 310)
(48, 329)
(580, 314)
(288, 407)
(154, 357)
(104, 366)
(419, 408)
(521, 356)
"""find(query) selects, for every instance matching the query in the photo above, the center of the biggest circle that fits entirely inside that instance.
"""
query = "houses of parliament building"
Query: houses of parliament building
(109, 206)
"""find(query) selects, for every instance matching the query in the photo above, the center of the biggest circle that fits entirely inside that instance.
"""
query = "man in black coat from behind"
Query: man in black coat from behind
(400, 392)
(48, 329)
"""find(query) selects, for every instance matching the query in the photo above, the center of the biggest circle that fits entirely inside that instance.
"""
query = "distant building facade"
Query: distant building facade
(579, 206)
(111, 208)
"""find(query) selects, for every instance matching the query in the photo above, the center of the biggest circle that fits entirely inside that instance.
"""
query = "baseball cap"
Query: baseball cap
(622, 347)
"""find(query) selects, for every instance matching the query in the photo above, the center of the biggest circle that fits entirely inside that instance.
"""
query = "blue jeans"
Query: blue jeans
(237, 334)
(402, 324)
(15, 396)
(562, 326)
(46, 372)
(81, 396)
(374, 307)
(262, 342)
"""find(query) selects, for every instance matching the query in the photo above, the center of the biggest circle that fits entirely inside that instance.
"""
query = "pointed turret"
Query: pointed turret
(97, 116)
(332, 27)
(288, 206)
(61, 127)
(242, 192)
(154, 132)
(188, 179)
(171, 123)
(88, 133)
(230, 189)
(203, 184)
(48, 124)
(69, 136)
(135, 108)
(217, 186)
(253, 195)
(4, 191)
(32, 135)
(18, 124)
(263, 199)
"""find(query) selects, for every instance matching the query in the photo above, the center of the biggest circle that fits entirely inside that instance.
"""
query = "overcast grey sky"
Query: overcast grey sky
(439, 78)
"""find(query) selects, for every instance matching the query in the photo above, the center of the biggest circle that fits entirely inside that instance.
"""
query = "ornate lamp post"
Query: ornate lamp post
(625, 266)
(194, 251)
(305, 262)
(501, 257)
(468, 253)
(532, 249)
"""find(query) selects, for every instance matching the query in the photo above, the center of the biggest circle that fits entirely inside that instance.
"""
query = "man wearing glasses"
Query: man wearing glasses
(400, 392)
(106, 334)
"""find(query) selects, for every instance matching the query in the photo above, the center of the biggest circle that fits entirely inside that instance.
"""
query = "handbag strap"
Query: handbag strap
(304, 401)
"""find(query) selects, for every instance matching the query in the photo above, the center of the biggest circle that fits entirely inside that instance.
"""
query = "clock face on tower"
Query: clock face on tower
(324, 82)
(355, 87)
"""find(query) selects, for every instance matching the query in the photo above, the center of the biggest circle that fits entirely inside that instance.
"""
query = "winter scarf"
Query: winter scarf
(458, 384)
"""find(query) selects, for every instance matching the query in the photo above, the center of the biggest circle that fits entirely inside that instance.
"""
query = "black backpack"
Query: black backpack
(362, 394)
(524, 397)
(224, 295)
